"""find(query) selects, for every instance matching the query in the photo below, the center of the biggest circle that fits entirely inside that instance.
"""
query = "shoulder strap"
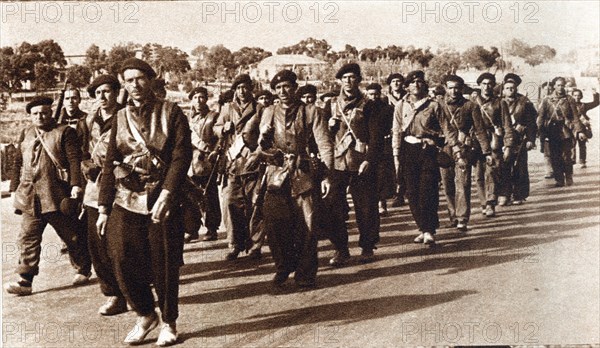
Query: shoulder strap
(484, 111)
(50, 154)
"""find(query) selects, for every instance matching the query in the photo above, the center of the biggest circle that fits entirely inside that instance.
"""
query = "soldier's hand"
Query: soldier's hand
(529, 145)
(427, 141)
(325, 187)
(160, 210)
(101, 224)
(489, 160)
(519, 128)
(333, 124)
(582, 137)
(76, 192)
(499, 131)
(506, 153)
(364, 167)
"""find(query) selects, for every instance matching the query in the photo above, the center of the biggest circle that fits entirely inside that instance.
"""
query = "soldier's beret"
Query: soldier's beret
(283, 75)
(454, 78)
(439, 90)
(241, 79)
(264, 92)
(198, 90)
(225, 97)
(558, 78)
(394, 76)
(37, 101)
(348, 68)
(103, 80)
(510, 77)
(486, 76)
(328, 95)
(135, 63)
(307, 89)
(375, 86)
(413, 75)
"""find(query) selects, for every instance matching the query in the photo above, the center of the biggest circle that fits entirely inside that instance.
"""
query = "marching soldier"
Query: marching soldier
(307, 94)
(203, 171)
(264, 98)
(142, 188)
(419, 128)
(46, 175)
(522, 115)
(71, 114)
(558, 120)
(582, 109)
(291, 188)
(238, 123)
(465, 117)
(354, 125)
(105, 89)
(395, 94)
(500, 136)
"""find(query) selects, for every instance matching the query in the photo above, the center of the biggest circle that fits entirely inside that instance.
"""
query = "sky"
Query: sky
(563, 25)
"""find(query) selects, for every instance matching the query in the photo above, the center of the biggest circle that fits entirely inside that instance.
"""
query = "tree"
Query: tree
(480, 58)
(310, 47)
(95, 60)
(79, 75)
(45, 76)
(540, 54)
(118, 54)
(38, 61)
(10, 77)
(165, 59)
(443, 63)
(51, 53)
(247, 56)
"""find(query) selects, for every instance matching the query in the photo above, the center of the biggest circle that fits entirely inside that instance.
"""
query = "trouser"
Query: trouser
(515, 176)
(486, 179)
(386, 187)
(144, 252)
(561, 153)
(364, 195)
(258, 234)
(547, 161)
(98, 248)
(210, 212)
(238, 199)
(290, 226)
(457, 189)
(582, 150)
(68, 228)
(422, 177)
(400, 183)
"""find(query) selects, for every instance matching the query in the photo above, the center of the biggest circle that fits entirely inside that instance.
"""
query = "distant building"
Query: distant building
(304, 66)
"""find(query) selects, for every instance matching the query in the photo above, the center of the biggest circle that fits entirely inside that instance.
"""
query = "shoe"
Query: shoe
(452, 224)
(559, 184)
(490, 211)
(419, 238)
(367, 256)
(398, 202)
(232, 255)
(141, 328)
(190, 237)
(81, 279)
(428, 238)
(569, 180)
(255, 254)
(339, 259)
(280, 278)
(517, 202)
(462, 226)
(549, 176)
(210, 236)
(382, 208)
(113, 306)
(502, 201)
(583, 165)
(483, 208)
(21, 287)
(167, 335)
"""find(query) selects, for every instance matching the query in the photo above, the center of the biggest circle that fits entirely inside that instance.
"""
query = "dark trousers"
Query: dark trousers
(238, 198)
(290, 227)
(515, 176)
(582, 150)
(486, 179)
(363, 190)
(457, 189)
(386, 183)
(422, 176)
(98, 248)
(68, 228)
(143, 252)
(561, 153)
(210, 212)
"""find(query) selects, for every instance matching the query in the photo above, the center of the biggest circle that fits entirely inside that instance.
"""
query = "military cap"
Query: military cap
(558, 78)
(243, 78)
(413, 75)
(439, 90)
(198, 90)
(264, 92)
(307, 89)
(135, 63)
(486, 75)
(512, 77)
(225, 97)
(283, 75)
(103, 80)
(328, 95)
(348, 68)
(37, 101)
(394, 76)
(375, 86)
(454, 78)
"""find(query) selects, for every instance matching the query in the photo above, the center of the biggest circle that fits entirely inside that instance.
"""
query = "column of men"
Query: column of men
(150, 173)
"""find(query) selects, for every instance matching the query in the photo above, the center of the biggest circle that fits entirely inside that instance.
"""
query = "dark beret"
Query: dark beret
(348, 68)
(240, 79)
(103, 80)
(135, 63)
(328, 95)
(439, 90)
(197, 90)
(37, 101)
(512, 77)
(394, 76)
(486, 75)
(374, 86)
(264, 92)
(558, 78)
(454, 78)
(307, 89)
(283, 75)
(413, 75)
(226, 97)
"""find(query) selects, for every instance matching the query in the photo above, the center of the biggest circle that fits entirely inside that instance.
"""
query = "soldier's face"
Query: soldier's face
(396, 84)
(308, 98)
(349, 82)
(285, 91)
(41, 115)
(373, 94)
(243, 92)
(106, 96)
(510, 89)
(559, 87)
(199, 99)
(264, 100)
(137, 84)
(71, 101)
(577, 96)
(454, 89)
(417, 87)
(487, 87)
(276, 101)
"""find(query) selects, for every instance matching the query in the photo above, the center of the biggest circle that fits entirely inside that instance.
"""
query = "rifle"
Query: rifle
(61, 99)
(221, 146)
(520, 151)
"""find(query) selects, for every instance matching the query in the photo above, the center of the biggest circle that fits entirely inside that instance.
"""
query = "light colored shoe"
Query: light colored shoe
(502, 200)
(81, 279)
(113, 306)
(167, 335)
(419, 239)
(339, 259)
(428, 238)
(517, 202)
(21, 287)
(462, 226)
(583, 165)
(141, 328)
(490, 211)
